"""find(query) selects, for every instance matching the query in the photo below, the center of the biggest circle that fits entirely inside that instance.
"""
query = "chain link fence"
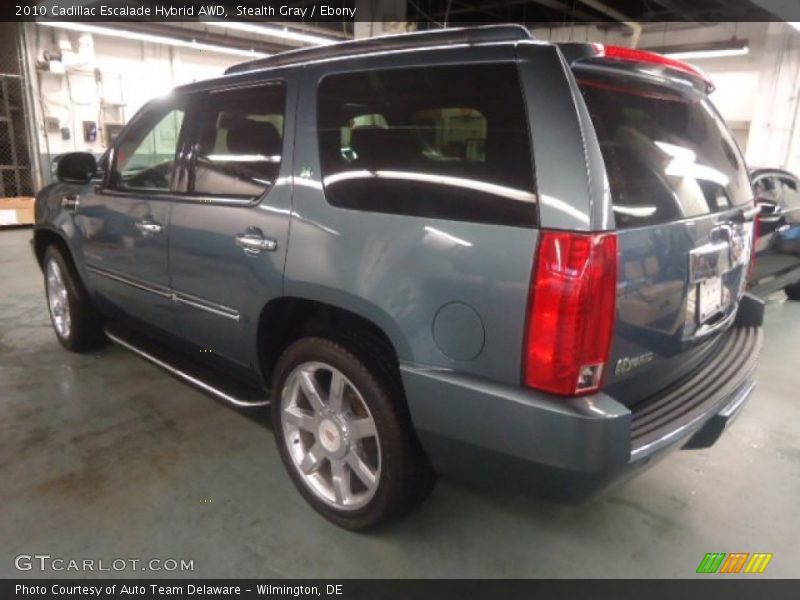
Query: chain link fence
(15, 151)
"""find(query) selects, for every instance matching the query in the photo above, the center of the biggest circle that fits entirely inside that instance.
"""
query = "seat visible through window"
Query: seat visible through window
(240, 142)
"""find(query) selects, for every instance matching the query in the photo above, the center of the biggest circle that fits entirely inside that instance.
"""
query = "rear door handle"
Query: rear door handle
(148, 227)
(254, 243)
(70, 202)
(747, 215)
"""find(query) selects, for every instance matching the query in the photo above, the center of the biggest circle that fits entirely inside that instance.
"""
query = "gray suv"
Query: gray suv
(462, 252)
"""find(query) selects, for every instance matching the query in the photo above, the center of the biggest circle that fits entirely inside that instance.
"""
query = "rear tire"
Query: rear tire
(345, 436)
(77, 324)
(793, 291)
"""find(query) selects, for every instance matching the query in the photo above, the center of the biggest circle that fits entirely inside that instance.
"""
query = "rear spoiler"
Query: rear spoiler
(600, 54)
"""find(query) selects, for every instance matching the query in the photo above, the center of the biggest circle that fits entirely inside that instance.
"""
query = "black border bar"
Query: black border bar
(427, 14)
(705, 588)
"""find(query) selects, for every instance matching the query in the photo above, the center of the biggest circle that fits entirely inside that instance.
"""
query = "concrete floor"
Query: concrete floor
(106, 456)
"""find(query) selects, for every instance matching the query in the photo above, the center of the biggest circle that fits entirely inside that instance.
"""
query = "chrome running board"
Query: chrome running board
(181, 374)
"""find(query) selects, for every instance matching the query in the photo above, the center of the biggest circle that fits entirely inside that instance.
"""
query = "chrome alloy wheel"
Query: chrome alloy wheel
(57, 300)
(331, 436)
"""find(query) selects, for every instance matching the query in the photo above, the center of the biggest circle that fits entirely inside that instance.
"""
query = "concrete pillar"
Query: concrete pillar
(380, 17)
(774, 139)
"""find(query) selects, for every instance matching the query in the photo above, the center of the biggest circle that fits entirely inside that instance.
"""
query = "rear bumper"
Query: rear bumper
(569, 449)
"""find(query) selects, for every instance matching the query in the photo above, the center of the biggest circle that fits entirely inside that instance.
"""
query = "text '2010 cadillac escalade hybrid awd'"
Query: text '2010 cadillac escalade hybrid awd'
(462, 252)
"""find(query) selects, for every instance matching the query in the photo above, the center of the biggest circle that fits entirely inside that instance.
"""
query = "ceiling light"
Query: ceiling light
(707, 50)
(154, 39)
(277, 32)
(695, 54)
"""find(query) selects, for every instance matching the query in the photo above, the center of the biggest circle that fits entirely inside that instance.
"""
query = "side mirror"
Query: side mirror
(76, 167)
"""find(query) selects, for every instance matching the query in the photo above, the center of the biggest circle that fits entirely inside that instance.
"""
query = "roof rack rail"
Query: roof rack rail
(463, 35)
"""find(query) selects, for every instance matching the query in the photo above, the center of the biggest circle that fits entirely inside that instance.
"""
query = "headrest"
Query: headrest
(377, 146)
(246, 136)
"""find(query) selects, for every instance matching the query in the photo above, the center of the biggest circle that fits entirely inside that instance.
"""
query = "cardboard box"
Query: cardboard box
(16, 211)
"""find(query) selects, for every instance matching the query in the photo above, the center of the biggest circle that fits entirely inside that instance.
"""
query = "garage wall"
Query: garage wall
(109, 79)
(775, 136)
(106, 81)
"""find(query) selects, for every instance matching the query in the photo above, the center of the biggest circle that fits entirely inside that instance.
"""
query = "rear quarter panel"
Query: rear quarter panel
(400, 271)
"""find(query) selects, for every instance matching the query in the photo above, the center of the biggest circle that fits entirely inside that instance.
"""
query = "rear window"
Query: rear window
(668, 154)
(439, 142)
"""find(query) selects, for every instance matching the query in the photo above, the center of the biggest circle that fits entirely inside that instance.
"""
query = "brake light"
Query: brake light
(642, 56)
(571, 312)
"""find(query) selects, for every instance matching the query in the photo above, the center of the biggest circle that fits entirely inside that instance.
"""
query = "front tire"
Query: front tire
(793, 291)
(344, 436)
(77, 325)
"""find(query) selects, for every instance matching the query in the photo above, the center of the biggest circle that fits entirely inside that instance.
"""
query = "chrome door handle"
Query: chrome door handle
(149, 227)
(70, 202)
(746, 215)
(255, 244)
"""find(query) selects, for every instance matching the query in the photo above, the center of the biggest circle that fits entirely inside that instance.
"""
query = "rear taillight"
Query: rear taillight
(642, 56)
(571, 312)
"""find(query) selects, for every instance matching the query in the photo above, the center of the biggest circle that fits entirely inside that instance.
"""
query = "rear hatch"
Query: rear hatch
(682, 203)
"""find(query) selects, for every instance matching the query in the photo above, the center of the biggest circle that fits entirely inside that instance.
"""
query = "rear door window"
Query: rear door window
(765, 188)
(790, 193)
(668, 154)
(441, 142)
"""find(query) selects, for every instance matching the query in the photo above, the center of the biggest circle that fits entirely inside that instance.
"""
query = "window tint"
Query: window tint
(239, 142)
(439, 142)
(764, 186)
(668, 154)
(790, 194)
(145, 157)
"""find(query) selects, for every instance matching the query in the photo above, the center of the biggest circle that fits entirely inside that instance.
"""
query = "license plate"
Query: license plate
(709, 298)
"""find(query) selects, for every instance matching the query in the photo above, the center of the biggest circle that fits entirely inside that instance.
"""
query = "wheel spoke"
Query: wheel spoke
(361, 428)
(341, 481)
(299, 418)
(361, 469)
(312, 461)
(58, 299)
(326, 423)
(311, 390)
(336, 395)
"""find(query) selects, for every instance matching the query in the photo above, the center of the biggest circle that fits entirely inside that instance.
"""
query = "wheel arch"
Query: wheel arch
(286, 319)
(44, 237)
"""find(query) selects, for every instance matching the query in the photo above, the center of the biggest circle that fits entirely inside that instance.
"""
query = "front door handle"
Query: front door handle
(70, 202)
(254, 243)
(148, 227)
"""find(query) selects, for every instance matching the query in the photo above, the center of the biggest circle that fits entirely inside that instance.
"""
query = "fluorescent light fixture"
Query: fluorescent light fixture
(276, 158)
(700, 54)
(153, 39)
(635, 211)
(459, 182)
(701, 51)
(682, 164)
(271, 31)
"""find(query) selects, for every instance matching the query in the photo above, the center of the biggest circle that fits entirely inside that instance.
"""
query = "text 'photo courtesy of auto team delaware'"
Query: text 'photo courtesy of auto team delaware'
(375, 276)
